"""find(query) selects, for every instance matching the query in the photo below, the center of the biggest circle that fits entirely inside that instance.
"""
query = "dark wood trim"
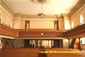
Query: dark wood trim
(38, 34)
(13, 43)
(79, 44)
(68, 43)
(4, 30)
(57, 25)
(26, 25)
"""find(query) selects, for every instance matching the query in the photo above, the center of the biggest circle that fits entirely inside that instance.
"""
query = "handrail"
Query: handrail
(6, 25)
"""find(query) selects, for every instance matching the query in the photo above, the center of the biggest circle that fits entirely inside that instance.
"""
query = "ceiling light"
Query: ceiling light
(40, 1)
(41, 15)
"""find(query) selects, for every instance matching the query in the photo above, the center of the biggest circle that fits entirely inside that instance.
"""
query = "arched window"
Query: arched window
(81, 19)
(72, 24)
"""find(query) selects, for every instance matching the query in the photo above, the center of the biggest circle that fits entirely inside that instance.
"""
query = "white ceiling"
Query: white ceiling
(32, 8)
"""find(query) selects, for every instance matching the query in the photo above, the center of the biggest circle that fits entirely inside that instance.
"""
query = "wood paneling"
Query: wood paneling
(4, 30)
(34, 30)
(41, 34)
(76, 32)
(73, 33)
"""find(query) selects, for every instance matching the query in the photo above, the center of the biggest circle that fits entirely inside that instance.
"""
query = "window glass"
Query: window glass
(72, 24)
(81, 19)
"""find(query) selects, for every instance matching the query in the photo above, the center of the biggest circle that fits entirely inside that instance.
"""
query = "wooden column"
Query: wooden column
(3, 44)
(48, 43)
(40, 44)
(79, 44)
(36, 42)
(26, 25)
(68, 43)
(51, 44)
(57, 25)
(32, 44)
(72, 43)
(13, 43)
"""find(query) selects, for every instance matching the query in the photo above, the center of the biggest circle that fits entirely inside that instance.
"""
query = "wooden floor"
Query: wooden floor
(34, 52)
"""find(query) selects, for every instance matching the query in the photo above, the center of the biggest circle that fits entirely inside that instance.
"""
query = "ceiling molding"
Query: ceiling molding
(77, 7)
(32, 16)
(41, 1)
(4, 4)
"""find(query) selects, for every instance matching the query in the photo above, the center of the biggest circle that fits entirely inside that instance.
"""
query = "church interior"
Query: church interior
(42, 28)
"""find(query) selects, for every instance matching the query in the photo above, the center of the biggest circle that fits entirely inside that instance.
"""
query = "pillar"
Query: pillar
(13, 43)
(3, 44)
(68, 43)
(61, 23)
(51, 44)
(79, 44)
(36, 42)
(32, 44)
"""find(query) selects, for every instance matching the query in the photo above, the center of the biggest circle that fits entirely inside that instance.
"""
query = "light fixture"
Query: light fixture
(41, 14)
(40, 1)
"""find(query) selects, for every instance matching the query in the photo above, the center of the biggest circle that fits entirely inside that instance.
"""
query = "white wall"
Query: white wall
(41, 24)
(6, 17)
(75, 18)
(35, 23)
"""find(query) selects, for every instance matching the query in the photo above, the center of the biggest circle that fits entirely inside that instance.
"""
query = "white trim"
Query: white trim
(8, 37)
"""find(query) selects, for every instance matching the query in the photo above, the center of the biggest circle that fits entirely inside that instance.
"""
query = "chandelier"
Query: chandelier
(41, 14)
(40, 1)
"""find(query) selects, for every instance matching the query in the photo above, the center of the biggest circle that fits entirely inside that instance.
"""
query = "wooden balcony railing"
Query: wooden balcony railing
(5, 30)
(40, 34)
(78, 31)
(21, 33)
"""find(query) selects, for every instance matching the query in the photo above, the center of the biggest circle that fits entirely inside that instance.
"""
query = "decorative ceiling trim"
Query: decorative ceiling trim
(77, 7)
(41, 1)
(32, 16)
(4, 4)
